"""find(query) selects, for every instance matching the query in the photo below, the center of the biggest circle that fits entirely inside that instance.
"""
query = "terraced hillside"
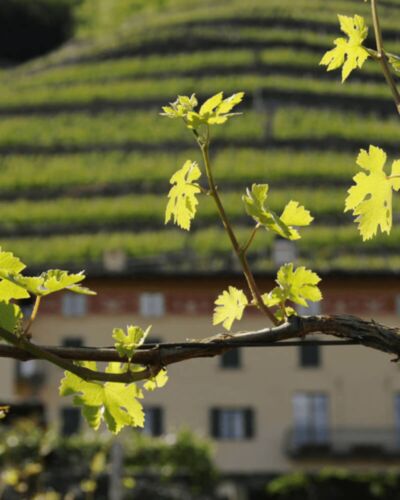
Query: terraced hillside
(85, 157)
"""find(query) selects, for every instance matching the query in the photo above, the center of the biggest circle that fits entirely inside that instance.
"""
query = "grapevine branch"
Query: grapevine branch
(345, 327)
(381, 56)
(241, 255)
(37, 352)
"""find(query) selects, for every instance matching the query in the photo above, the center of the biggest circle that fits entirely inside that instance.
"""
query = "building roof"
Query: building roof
(86, 159)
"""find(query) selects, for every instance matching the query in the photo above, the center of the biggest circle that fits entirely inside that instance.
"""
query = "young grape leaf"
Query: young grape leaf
(210, 104)
(10, 316)
(277, 298)
(182, 201)
(55, 280)
(9, 291)
(229, 307)
(298, 286)
(295, 215)
(127, 343)
(394, 61)
(115, 403)
(214, 111)
(10, 263)
(350, 53)
(181, 107)
(48, 282)
(370, 198)
(157, 382)
(292, 215)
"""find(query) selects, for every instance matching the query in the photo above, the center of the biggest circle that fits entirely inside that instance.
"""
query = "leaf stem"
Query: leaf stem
(382, 57)
(33, 315)
(255, 292)
(245, 248)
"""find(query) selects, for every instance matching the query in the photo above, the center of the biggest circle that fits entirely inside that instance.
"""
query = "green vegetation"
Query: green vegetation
(147, 209)
(303, 123)
(90, 109)
(117, 129)
(75, 173)
(161, 90)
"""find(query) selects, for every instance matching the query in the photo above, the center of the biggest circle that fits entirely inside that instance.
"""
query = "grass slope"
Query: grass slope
(85, 157)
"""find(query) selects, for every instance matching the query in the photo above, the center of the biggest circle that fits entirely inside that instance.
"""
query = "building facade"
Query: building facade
(267, 409)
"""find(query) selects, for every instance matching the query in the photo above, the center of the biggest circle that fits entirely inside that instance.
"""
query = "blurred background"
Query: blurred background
(85, 162)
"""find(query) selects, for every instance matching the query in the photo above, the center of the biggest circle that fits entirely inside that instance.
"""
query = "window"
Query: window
(235, 423)
(74, 304)
(70, 421)
(154, 421)
(231, 359)
(310, 418)
(309, 355)
(151, 304)
(31, 372)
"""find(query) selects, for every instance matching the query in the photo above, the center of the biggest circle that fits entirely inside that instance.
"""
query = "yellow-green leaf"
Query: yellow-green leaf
(156, 382)
(297, 285)
(48, 282)
(182, 203)
(210, 104)
(370, 198)
(127, 343)
(292, 215)
(229, 307)
(10, 316)
(348, 53)
(214, 111)
(10, 263)
(116, 403)
(181, 107)
(396, 174)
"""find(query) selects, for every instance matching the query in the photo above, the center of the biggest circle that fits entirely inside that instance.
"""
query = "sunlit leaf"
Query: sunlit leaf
(348, 53)
(295, 285)
(157, 382)
(370, 198)
(214, 111)
(114, 403)
(292, 215)
(10, 316)
(127, 343)
(182, 203)
(229, 307)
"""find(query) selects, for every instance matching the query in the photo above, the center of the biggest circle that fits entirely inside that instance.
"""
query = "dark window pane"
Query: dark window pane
(214, 422)
(232, 423)
(158, 421)
(154, 421)
(249, 422)
(71, 421)
(309, 355)
(231, 359)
